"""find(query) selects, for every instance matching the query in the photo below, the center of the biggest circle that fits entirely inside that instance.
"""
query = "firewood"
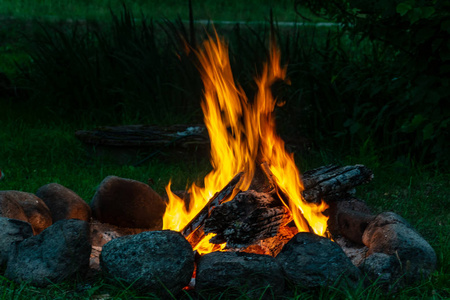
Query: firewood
(272, 245)
(251, 216)
(194, 229)
(332, 181)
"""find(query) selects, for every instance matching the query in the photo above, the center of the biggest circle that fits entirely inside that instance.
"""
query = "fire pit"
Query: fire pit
(255, 223)
(255, 202)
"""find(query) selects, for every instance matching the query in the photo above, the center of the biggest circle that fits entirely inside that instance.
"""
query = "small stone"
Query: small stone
(12, 231)
(355, 252)
(64, 203)
(158, 262)
(61, 252)
(36, 211)
(312, 261)
(253, 275)
(349, 217)
(102, 233)
(390, 234)
(9, 208)
(127, 203)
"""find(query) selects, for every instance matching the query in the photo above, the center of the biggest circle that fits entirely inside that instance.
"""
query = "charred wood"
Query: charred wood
(272, 245)
(249, 217)
(194, 229)
(332, 181)
(252, 216)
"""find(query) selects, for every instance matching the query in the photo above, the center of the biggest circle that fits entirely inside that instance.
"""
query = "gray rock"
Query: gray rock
(383, 269)
(313, 261)
(9, 208)
(59, 253)
(12, 231)
(64, 203)
(390, 234)
(38, 214)
(245, 273)
(154, 261)
(127, 203)
(102, 233)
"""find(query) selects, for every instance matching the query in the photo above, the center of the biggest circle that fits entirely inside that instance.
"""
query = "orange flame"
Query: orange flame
(240, 132)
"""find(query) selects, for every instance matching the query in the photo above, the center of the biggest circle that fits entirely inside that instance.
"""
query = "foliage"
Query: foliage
(400, 94)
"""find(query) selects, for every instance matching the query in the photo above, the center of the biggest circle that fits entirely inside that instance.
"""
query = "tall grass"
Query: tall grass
(99, 9)
(344, 93)
(127, 69)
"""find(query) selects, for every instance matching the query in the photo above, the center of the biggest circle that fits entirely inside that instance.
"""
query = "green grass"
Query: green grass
(99, 9)
(36, 151)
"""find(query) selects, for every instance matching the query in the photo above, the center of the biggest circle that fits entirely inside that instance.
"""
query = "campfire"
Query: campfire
(251, 166)
(255, 221)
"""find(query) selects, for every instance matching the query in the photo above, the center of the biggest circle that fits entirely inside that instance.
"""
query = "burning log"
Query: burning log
(248, 218)
(194, 229)
(252, 216)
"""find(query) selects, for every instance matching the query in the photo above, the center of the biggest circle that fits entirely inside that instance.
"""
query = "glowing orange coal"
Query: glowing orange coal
(241, 132)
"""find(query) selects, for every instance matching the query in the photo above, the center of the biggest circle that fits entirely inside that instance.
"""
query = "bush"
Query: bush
(400, 91)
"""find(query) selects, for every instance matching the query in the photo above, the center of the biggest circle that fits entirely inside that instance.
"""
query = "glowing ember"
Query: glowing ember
(240, 132)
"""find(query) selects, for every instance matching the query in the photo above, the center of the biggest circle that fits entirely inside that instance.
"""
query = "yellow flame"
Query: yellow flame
(240, 132)
(204, 246)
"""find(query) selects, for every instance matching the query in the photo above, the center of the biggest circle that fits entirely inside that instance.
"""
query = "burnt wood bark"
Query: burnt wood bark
(194, 229)
(272, 245)
(251, 216)
(332, 181)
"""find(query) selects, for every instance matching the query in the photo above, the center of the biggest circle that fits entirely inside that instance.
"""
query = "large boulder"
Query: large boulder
(12, 231)
(158, 262)
(409, 256)
(36, 211)
(312, 261)
(257, 276)
(59, 253)
(128, 203)
(64, 203)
